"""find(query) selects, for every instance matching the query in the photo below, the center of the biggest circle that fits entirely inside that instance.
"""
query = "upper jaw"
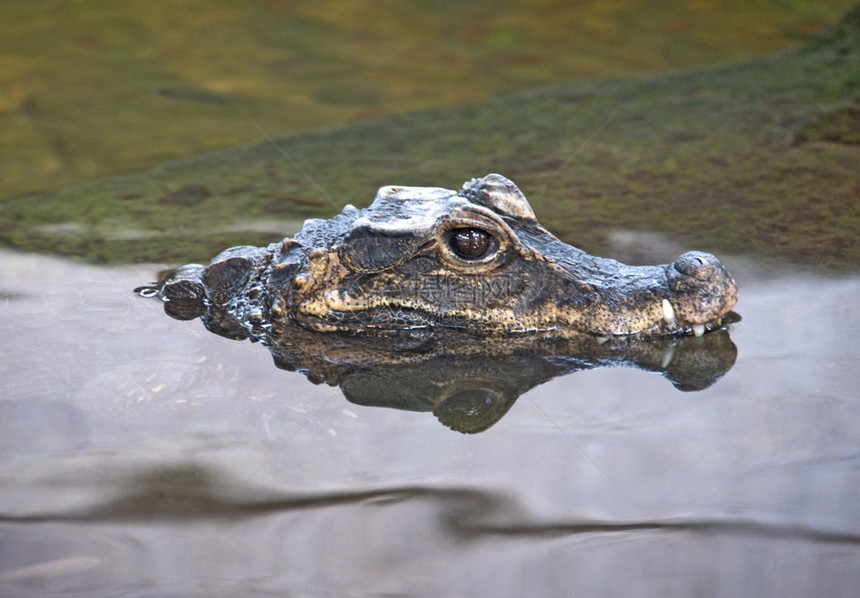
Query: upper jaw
(688, 297)
(660, 319)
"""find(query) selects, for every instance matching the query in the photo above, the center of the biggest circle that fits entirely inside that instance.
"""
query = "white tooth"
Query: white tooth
(699, 329)
(602, 339)
(668, 312)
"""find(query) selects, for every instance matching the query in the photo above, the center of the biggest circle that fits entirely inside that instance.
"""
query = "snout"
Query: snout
(702, 288)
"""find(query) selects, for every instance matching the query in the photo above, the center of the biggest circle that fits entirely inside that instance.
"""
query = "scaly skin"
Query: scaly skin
(475, 260)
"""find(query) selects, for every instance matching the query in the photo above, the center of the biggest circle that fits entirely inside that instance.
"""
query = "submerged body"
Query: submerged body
(427, 257)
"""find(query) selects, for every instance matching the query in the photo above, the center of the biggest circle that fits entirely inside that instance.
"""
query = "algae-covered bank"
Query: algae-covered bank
(759, 158)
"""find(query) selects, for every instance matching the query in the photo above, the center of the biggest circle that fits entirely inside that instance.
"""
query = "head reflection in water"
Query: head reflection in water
(457, 302)
(468, 381)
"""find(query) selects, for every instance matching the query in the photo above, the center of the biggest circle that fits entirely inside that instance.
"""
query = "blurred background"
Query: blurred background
(96, 87)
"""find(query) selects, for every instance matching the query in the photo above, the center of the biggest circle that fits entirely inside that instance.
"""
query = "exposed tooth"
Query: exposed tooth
(602, 339)
(668, 312)
(698, 329)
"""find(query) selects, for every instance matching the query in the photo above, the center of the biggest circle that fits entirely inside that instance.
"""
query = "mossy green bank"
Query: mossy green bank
(761, 158)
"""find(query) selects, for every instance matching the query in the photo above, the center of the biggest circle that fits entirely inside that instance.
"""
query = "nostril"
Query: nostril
(695, 263)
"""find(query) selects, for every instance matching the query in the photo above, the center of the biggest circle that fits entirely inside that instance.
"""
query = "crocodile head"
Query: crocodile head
(475, 259)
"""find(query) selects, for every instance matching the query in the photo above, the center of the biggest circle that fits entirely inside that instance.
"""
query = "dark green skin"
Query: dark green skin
(430, 258)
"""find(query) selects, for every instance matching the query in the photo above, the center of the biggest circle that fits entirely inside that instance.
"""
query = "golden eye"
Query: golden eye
(470, 243)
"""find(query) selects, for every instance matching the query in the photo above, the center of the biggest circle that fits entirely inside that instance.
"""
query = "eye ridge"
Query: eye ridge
(471, 243)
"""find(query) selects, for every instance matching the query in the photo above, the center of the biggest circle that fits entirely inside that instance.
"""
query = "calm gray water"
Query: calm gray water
(141, 456)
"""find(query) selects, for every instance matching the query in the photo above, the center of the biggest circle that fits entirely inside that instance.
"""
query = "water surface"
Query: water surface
(143, 456)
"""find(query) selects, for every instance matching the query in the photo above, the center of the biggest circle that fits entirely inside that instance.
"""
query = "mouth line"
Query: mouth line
(698, 330)
(670, 321)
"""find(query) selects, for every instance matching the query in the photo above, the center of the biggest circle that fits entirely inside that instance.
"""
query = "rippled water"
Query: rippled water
(141, 456)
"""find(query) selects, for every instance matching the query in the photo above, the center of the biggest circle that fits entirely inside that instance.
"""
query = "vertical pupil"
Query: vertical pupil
(470, 243)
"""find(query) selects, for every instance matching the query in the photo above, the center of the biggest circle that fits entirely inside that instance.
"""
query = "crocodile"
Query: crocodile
(467, 381)
(430, 258)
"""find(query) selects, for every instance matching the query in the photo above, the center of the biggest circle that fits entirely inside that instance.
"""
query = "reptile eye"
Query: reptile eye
(471, 243)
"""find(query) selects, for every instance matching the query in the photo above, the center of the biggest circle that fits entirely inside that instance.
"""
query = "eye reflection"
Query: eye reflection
(470, 243)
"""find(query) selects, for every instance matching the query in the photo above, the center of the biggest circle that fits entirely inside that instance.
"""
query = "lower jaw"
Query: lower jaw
(675, 329)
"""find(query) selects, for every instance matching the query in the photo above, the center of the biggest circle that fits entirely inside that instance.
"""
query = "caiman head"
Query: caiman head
(478, 259)
(427, 257)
